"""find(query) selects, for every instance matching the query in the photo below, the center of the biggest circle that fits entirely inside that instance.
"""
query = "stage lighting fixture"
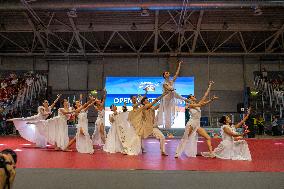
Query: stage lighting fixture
(225, 26)
(72, 13)
(257, 11)
(2, 27)
(145, 12)
(90, 26)
(133, 27)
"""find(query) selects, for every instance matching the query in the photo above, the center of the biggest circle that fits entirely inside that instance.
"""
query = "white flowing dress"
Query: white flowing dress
(121, 136)
(188, 143)
(96, 137)
(30, 131)
(231, 149)
(167, 111)
(55, 129)
(84, 143)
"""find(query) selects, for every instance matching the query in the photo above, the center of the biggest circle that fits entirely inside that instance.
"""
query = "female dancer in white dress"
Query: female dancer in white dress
(55, 129)
(167, 110)
(121, 136)
(30, 131)
(188, 143)
(145, 122)
(232, 146)
(99, 135)
(83, 141)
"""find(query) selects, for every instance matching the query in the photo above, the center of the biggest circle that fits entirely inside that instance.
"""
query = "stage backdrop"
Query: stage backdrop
(119, 90)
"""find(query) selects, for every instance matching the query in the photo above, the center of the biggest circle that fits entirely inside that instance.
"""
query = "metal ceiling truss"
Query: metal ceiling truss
(178, 35)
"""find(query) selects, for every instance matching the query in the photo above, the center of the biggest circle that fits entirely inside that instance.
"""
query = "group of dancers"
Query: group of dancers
(129, 128)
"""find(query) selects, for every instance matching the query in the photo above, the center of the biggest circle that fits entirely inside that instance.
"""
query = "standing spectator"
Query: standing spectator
(275, 126)
(264, 74)
(260, 125)
(9, 125)
(251, 123)
(2, 130)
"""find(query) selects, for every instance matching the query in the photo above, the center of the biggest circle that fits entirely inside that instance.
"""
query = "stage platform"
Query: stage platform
(267, 156)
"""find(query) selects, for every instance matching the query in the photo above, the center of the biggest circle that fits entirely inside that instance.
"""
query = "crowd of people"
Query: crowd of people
(270, 84)
(19, 91)
(271, 87)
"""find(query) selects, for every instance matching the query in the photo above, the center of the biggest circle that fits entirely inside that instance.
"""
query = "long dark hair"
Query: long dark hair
(143, 100)
(223, 119)
(189, 96)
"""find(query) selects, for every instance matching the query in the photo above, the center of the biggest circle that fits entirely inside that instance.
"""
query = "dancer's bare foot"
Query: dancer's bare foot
(208, 154)
(67, 150)
(164, 154)
(212, 155)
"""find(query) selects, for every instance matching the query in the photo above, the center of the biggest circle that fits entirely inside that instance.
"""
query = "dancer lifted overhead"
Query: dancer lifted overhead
(167, 109)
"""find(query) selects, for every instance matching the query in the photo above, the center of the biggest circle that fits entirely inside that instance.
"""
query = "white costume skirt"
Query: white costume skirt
(30, 131)
(167, 111)
(188, 144)
(96, 137)
(234, 150)
(55, 131)
(84, 143)
(122, 137)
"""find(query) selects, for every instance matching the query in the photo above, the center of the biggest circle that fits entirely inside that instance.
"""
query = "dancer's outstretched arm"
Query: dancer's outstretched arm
(199, 104)
(243, 120)
(177, 72)
(56, 100)
(85, 106)
(154, 101)
(146, 92)
(207, 91)
(139, 103)
(156, 107)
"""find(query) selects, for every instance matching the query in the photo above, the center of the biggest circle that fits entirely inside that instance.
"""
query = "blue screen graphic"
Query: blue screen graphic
(119, 90)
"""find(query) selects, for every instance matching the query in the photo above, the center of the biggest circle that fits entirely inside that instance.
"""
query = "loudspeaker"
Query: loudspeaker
(240, 107)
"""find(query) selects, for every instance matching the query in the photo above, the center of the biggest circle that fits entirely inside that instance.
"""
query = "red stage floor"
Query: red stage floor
(267, 155)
